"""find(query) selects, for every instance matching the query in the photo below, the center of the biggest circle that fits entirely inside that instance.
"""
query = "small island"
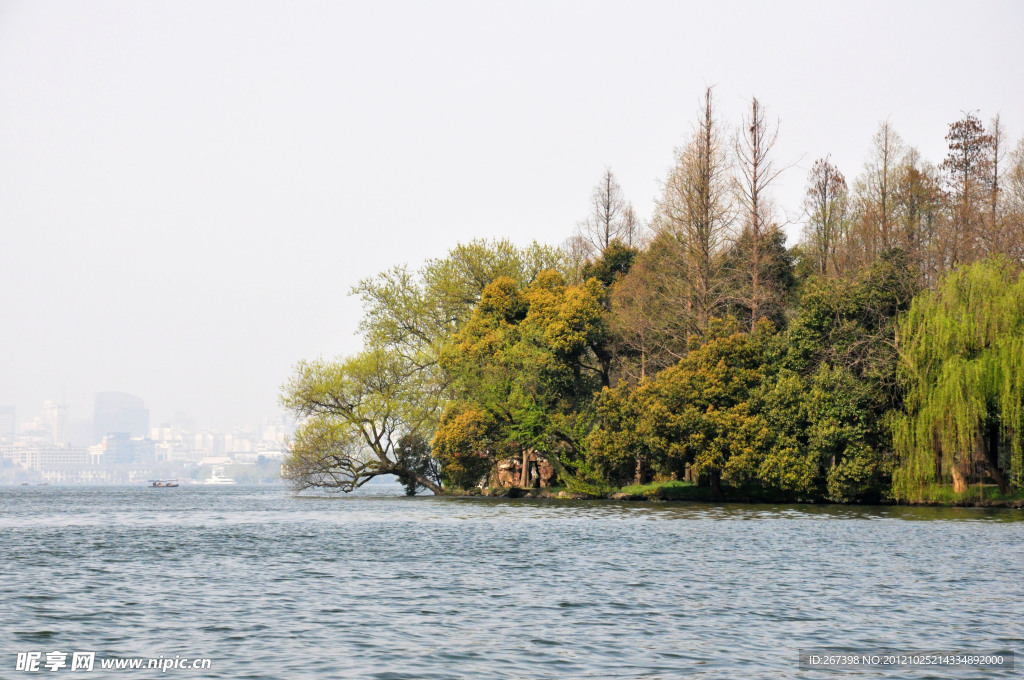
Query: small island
(878, 360)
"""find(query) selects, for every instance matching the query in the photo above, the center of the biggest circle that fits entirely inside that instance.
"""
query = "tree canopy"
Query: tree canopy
(962, 361)
(877, 357)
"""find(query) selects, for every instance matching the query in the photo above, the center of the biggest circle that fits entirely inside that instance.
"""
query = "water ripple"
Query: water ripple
(273, 586)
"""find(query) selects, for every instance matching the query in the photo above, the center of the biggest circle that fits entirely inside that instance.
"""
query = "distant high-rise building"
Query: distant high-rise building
(183, 422)
(120, 412)
(118, 449)
(80, 433)
(55, 420)
(8, 424)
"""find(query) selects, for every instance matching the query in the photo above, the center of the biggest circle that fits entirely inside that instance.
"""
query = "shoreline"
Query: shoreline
(552, 494)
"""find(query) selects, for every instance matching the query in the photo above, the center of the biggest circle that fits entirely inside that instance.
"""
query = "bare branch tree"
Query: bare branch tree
(1014, 199)
(756, 171)
(921, 215)
(997, 238)
(611, 218)
(876, 192)
(696, 212)
(967, 171)
(826, 205)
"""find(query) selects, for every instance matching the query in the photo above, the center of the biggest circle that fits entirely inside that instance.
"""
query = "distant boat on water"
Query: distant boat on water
(163, 483)
(218, 478)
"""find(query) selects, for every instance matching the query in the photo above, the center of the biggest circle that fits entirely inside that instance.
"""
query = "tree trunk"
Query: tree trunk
(524, 472)
(640, 474)
(959, 483)
(992, 458)
(424, 482)
(716, 484)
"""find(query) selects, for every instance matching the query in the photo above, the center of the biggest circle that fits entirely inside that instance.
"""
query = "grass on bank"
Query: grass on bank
(978, 493)
(676, 490)
(940, 494)
(673, 490)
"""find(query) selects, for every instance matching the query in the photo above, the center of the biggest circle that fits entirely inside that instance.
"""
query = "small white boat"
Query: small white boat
(218, 478)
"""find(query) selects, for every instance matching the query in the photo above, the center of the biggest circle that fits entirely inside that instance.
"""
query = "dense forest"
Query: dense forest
(880, 357)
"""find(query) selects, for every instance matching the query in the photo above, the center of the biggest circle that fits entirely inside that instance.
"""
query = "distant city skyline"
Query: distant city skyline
(110, 412)
(119, 444)
(83, 415)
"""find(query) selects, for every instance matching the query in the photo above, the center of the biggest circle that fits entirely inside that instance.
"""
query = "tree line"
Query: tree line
(879, 357)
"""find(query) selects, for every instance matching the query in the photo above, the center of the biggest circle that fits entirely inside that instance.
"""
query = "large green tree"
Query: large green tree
(415, 311)
(359, 418)
(962, 364)
(530, 359)
(729, 412)
(825, 438)
(374, 413)
(851, 322)
(695, 413)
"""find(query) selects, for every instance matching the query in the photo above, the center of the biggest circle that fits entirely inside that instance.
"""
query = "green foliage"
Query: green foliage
(850, 322)
(414, 314)
(776, 278)
(405, 308)
(616, 370)
(824, 438)
(614, 263)
(579, 476)
(672, 490)
(787, 463)
(615, 447)
(462, 443)
(698, 411)
(353, 414)
(526, 358)
(962, 364)
(726, 411)
(416, 461)
(798, 413)
(843, 435)
(695, 412)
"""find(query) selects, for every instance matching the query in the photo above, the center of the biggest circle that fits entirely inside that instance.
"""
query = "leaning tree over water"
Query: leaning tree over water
(962, 365)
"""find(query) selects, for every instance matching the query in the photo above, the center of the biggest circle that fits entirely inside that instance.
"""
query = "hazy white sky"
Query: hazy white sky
(189, 189)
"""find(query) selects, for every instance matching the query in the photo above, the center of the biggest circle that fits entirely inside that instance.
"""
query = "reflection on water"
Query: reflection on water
(273, 586)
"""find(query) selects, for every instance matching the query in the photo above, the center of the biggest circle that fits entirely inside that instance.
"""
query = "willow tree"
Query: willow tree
(360, 418)
(962, 365)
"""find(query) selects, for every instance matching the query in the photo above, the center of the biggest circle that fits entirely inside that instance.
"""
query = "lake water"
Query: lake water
(268, 585)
